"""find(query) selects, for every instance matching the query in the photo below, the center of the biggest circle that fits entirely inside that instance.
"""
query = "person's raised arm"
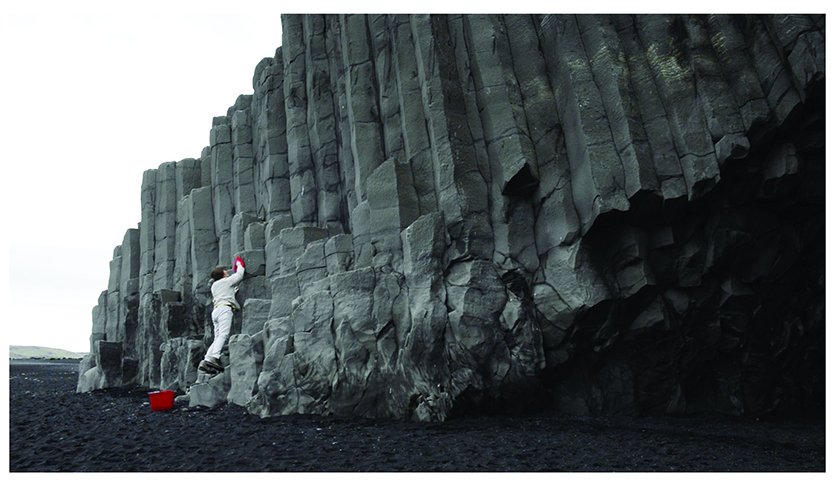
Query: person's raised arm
(236, 278)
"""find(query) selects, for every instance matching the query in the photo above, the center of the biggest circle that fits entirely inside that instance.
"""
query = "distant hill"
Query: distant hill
(29, 352)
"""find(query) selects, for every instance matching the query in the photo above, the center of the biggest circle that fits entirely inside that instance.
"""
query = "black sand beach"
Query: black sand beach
(51, 428)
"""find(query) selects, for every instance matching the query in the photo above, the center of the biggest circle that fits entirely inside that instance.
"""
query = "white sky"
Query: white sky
(93, 94)
(92, 97)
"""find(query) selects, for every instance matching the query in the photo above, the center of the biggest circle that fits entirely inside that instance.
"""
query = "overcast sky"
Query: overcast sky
(96, 92)
(94, 95)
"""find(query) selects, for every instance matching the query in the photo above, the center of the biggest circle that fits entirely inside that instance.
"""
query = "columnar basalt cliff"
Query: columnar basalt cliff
(442, 214)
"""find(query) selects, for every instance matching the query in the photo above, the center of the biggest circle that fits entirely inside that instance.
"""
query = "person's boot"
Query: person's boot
(204, 368)
(215, 364)
(208, 367)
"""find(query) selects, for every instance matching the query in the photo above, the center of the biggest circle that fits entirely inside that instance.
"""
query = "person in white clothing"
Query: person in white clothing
(224, 288)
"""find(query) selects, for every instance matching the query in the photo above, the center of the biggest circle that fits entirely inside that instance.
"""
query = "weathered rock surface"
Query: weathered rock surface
(442, 214)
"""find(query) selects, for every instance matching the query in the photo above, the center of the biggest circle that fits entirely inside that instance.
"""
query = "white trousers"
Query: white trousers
(222, 320)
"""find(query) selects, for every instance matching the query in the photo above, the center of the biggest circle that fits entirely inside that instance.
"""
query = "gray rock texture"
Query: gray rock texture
(449, 214)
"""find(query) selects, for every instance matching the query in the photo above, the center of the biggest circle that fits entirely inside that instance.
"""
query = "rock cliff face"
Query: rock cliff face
(449, 213)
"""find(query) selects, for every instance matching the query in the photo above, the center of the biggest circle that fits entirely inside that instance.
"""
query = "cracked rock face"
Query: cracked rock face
(446, 214)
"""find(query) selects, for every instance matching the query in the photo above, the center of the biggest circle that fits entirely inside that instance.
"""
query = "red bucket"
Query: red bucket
(161, 400)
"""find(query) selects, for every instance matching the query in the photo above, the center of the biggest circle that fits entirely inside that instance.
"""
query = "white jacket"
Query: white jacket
(224, 289)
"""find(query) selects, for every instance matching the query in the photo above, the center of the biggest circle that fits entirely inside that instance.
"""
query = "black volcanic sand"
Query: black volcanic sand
(52, 428)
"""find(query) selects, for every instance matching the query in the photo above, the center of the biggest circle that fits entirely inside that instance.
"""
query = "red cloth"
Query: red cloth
(238, 260)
